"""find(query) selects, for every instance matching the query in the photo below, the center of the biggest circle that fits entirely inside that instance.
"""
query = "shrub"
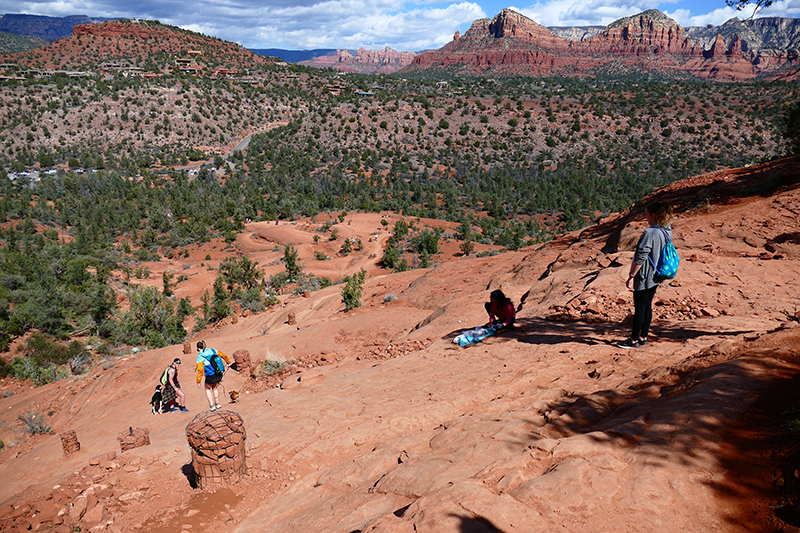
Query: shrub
(351, 292)
(293, 269)
(251, 300)
(279, 280)
(426, 242)
(400, 229)
(272, 366)
(78, 362)
(34, 423)
(25, 368)
(155, 320)
(401, 266)
(391, 256)
(43, 359)
(467, 247)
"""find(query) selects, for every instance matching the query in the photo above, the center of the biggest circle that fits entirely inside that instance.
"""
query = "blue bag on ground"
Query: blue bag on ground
(471, 336)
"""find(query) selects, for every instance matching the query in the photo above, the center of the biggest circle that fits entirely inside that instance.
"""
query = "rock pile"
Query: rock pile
(398, 349)
(69, 442)
(87, 500)
(241, 358)
(217, 439)
(133, 438)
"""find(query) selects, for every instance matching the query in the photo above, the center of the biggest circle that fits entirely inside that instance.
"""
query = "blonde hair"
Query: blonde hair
(662, 213)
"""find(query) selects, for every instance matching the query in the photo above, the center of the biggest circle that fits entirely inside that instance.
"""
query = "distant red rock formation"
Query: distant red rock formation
(512, 44)
(112, 29)
(365, 61)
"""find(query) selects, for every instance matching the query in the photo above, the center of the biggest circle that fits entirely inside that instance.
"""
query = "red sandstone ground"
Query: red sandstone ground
(384, 425)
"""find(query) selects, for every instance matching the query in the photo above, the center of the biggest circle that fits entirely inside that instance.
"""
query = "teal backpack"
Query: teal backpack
(668, 261)
(215, 363)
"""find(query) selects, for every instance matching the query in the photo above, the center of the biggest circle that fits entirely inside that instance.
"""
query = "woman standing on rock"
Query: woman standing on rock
(642, 279)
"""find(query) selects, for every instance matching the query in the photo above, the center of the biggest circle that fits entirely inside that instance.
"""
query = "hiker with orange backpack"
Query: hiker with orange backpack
(211, 369)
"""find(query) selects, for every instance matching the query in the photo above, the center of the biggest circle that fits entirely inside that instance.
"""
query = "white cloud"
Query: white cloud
(365, 24)
(782, 8)
(403, 25)
(584, 13)
(716, 17)
(400, 24)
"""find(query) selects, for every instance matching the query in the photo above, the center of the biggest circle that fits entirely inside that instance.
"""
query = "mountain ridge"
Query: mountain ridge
(769, 42)
(512, 44)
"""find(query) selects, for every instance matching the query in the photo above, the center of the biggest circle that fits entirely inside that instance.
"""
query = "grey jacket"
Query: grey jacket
(650, 245)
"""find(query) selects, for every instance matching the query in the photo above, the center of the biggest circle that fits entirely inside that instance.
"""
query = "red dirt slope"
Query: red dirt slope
(386, 426)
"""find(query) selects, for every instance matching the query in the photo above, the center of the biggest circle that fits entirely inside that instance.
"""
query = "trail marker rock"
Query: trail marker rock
(217, 439)
(133, 438)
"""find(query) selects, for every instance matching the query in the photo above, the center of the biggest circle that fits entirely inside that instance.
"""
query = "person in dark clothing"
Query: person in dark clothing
(500, 310)
(172, 393)
(641, 277)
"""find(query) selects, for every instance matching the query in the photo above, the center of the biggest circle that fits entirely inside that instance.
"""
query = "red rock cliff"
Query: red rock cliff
(512, 44)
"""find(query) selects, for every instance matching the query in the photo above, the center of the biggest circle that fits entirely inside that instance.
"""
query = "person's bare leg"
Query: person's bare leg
(210, 396)
(182, 397)
(216, 395)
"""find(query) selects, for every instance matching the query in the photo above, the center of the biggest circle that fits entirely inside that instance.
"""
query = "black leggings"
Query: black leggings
(643, 312)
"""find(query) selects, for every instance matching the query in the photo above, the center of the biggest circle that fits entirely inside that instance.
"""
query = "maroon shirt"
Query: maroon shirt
(504, 312)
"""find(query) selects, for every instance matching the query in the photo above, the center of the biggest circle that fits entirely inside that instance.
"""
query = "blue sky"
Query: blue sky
(373, 24)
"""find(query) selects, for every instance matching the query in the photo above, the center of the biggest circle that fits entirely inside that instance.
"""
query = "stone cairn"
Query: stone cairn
(217, 442)
(241, 358)
(133, 438)
(69, 442)
(187, 347)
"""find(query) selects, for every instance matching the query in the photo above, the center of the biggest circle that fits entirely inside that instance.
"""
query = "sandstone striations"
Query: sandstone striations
(364, 61)
(650, 42)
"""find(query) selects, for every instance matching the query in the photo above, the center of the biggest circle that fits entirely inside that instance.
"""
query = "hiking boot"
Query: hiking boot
(184, 409)
(642, 342)
(212, 408)
(217, 406)
(628, 343)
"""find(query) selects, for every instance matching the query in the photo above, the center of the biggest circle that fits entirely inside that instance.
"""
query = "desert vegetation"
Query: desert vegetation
(512, 161)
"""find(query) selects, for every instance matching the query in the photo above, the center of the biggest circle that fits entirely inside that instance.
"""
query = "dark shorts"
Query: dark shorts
(213, 379)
